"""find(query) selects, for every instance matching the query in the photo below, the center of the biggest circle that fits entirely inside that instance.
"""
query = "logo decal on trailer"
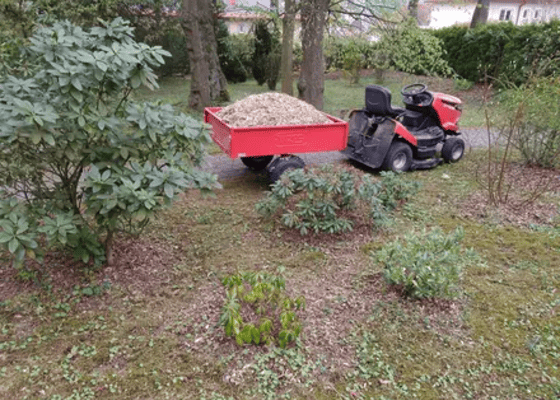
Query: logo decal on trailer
(289, 139)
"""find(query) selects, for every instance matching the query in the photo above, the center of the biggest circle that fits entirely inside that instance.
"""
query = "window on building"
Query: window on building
(525, 14)
(537, 13)
(505, 15)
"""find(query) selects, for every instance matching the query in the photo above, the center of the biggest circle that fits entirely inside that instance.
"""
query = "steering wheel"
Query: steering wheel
(413, 90)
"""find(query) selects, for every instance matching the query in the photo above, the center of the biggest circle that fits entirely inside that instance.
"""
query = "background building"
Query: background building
(441, 13)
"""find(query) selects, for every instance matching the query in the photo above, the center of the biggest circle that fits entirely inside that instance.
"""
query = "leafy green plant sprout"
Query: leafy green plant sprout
(256, 309)
(426, 265)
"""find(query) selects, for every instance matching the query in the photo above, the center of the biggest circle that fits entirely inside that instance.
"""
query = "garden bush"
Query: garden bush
(79, 160)
(298, 54)
(20, 18)
(273, 62)
(257, 309)
(266, 54)
(527, 129)
(426, 265)
(330, 199)
(11, 59)
(236, 56)
(174, 41)
(534, 49)
(475, 53)
(353, 54)
(342, 52)
(503, 51)
(230, 62)
(536, 133)
(414, 50)
(170, 37)
(242, 47)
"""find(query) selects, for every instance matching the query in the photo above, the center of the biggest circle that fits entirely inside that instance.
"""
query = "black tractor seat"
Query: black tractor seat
(378, 102)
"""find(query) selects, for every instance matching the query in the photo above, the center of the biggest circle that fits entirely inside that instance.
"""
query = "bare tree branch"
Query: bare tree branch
(360, 9)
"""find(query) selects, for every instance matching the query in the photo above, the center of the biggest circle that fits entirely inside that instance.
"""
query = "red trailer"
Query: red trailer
(257, 146)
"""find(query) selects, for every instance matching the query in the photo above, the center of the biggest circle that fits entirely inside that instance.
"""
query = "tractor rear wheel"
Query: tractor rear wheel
(453, 149)
(256, 163)
(398, 158)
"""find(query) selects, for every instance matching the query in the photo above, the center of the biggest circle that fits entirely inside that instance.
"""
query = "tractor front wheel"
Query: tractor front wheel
(398, 158)
(453, 149)
(256, 163)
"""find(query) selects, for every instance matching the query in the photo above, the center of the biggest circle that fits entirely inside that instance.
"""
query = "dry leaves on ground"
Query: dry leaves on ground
(525, 197)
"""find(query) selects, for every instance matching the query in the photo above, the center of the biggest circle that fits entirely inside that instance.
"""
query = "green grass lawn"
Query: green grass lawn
(147, 327)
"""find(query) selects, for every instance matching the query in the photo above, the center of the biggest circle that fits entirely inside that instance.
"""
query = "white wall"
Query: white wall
(447, 15)
(443, 15)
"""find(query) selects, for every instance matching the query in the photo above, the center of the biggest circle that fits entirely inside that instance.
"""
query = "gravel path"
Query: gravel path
(227, 168)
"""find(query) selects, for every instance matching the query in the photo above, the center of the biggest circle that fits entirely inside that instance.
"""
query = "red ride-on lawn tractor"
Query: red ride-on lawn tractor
(400, 139)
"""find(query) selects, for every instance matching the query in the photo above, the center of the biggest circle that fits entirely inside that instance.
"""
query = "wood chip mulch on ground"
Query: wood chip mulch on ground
(140, 264)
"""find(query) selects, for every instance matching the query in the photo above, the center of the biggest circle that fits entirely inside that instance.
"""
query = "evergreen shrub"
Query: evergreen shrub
(502, 51)
(231, 56)
(331, 199)
(414, 50)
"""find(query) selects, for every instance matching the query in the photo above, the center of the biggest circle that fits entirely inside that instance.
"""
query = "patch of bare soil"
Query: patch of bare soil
(524, 198)
(142, 263)
(271, 109)
(331, 306)
(334, 305)
(338, 297)
(139, 263)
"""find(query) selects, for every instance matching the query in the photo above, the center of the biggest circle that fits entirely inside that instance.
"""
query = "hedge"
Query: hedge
(502, 51)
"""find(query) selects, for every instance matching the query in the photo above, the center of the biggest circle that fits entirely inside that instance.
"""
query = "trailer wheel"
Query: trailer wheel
(256, 163)
(453, 149)
(398, 158)
(281, 165)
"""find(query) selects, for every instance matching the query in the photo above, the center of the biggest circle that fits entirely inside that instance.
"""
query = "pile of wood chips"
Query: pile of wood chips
(271, 109)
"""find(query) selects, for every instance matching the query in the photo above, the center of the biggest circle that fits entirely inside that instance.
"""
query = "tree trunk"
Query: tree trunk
(287, 63)
(413, 9)
(480, 14)
(311, 83)
(109, 247)
(208, 82)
